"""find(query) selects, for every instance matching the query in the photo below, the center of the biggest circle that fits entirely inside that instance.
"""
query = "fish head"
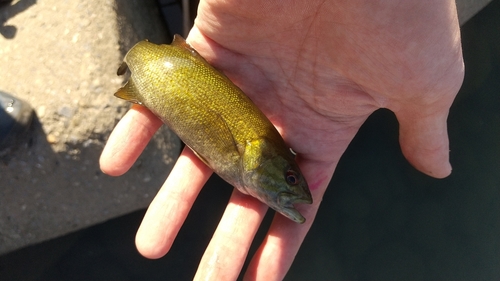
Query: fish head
(277, 181)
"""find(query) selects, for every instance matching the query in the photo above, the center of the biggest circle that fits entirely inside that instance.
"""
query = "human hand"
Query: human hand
(317, 69)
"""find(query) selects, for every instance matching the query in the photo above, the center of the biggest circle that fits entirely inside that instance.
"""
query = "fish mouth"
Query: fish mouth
(286, 208)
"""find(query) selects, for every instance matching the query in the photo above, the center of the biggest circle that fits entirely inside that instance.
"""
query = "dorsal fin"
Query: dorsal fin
(180, 42)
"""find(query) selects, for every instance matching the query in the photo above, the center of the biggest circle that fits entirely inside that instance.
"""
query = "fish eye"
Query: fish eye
(291, 177)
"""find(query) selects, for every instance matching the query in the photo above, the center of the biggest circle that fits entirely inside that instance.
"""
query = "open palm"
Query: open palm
(317, 69)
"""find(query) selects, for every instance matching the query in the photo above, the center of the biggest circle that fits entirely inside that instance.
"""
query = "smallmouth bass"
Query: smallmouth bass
(214, 118)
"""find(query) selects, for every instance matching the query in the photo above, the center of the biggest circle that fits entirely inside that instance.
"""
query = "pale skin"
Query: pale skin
(317, 69)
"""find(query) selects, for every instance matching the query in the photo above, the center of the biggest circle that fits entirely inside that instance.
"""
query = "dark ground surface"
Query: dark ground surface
(379, 220)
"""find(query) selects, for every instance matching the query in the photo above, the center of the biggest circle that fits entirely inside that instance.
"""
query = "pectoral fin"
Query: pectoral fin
(256, 151)
(211, 139)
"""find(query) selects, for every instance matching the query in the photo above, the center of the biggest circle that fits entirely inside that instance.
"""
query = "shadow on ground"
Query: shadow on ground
(9, 31)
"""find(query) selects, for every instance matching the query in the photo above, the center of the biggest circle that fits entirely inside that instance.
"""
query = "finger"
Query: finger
(170, 207)
(228, 248)
(128, 140)
(424, 142)
(277, 252)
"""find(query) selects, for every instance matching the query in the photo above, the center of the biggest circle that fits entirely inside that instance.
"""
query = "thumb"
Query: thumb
(424, 142)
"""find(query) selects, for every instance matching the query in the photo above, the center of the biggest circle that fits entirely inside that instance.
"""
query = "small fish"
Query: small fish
(217, 121)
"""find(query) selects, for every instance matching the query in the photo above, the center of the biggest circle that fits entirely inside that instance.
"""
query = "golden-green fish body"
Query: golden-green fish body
(217, 121)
